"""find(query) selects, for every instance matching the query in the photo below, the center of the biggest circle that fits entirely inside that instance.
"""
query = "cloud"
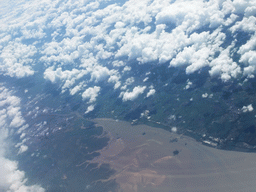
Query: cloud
(248, 46)
(67, 78)
(91, 94)
(77, 88)
(89, 109)
(17, 59)
(174, 129)
(129, 81)
(66, 75)
(117, 63)
(205, 95)
(248, 108)
(133, 94)
(102, 33)
(224, 66)
(247, 25)
(100, 73)
(115, 78)
(188, 33)
(11, 178)
(22, 149)
(189, 84)
(151, 92)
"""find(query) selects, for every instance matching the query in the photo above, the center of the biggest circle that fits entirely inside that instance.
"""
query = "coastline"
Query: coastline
(144, 159)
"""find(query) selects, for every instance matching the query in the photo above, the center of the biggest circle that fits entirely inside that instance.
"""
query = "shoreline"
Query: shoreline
(148, 161)
(206, 140)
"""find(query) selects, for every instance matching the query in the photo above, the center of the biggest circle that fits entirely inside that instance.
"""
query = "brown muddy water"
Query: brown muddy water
(148, 159)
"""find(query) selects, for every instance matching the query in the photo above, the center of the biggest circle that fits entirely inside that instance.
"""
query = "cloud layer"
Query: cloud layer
(91, 38)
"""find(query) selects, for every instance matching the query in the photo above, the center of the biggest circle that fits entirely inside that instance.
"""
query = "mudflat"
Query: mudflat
(152, 159)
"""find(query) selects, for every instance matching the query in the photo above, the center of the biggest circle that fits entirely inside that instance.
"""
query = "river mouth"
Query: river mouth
(110, 155)
(152, 159)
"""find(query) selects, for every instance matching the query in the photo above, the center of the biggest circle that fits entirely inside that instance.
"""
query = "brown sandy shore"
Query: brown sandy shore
(152, 159)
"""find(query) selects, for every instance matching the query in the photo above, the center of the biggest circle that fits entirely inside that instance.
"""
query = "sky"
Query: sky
(80, 45)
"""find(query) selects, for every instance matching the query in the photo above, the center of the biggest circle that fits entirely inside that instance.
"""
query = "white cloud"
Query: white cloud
(11, 178)
(66, 75)
(189, 84)
(224, 66)
(247, 25)
(127, 68)
(68, 78)
(100, 73)
(22, 149)
(144, 80)
(115, 78)
(249, 71)
(94, 34)
(129, 81)
(151, 92)
(89, 109)
(91, 94)
(133, 94)
(248, 108)
(174, 129)
(17, 59)
(17, 121)
(248, 46)
(205, 95)
(117, 63)
(77, 88)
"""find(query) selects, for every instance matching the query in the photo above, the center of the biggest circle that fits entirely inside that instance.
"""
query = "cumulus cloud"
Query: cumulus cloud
(77, 88)
(248, 108)
(68, 78)
(249, 59)
(224, 66)
(126, 68)
(189, 84)
(100, 73)
(170, 32)
(11, 178)
(22, 149)
(17, 59)
(174, 129)
(205, 95)
(91, 94)
(115, 78)
(129, 81)
(151, 92)
(89, 109)
(112, 31)
(54, 75)
(133, 94)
